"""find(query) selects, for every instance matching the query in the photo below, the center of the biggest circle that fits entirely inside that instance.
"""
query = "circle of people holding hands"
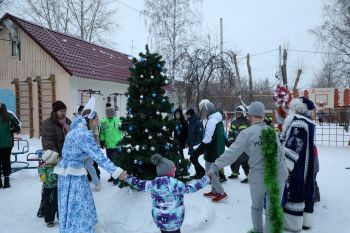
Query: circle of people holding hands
(72, 154)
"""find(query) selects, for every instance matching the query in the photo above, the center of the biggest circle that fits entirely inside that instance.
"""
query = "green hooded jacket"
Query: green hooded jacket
(7, 128)
(110, 134)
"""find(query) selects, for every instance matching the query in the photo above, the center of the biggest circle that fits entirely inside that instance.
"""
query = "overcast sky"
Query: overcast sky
(250, 26)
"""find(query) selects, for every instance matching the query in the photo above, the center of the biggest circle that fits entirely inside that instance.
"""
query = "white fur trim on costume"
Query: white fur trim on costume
(117, 173)
(290, 165)
(308, 219)
(70, 171)
(298, 106)
(292, 155)
(293, 223)
(295, 207)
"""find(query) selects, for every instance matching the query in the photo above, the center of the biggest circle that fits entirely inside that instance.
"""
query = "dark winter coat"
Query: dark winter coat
(236, 127)
(298, 135)
(195, 132)
(7, 128)
(53, 135)
(180, 132)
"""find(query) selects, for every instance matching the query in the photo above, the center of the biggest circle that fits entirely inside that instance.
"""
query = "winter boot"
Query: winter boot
(210, 195)
(219, 197)
(222, 178)
(7, 182)
(233, 176)
(245, 181)
(110, 179)
(50, 224)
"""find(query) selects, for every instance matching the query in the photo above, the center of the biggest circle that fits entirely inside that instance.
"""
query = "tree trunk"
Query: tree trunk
(297, 80)
(284, 68)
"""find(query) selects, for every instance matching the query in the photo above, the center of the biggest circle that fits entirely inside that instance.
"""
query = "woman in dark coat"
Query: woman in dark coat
(180, 132)
(8, 125)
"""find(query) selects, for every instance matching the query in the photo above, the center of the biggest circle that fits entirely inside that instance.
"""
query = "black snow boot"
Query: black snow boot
(7, 182)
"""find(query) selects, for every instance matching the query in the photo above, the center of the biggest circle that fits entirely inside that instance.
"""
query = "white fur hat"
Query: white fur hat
(50, 157)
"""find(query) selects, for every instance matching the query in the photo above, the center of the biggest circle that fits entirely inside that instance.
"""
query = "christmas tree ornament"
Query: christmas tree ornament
(141, 76)
(159, 134)
(154, 95)
(166, 82)
(146, 130)
(163, 100)
(128, 150)
(150, 137)
(131, 116)
(159, 66)
(141, 101)
(153, 148)
(130, 128)
(135, 161)
(129, 96)
(158, 113)
(137, 147)
(152, 101)
(140, 162)
(164, 128)
(152, 77)
(141, 96)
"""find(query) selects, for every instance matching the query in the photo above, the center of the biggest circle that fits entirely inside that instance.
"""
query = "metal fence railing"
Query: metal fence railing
(333, 127)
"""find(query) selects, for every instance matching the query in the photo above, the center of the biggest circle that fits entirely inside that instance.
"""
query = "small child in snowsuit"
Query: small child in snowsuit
(49, 179)
(167, 193)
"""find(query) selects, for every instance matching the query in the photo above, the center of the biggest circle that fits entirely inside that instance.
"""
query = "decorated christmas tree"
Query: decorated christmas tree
(149, 125)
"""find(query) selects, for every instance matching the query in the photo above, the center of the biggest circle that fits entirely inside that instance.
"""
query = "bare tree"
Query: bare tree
(169, 23)
(334, 33)
(4, 4)
(330, 75)
(86, 19)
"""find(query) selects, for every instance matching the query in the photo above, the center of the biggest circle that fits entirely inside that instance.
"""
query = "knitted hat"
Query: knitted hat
(190, 112)
(110, 111)
(58, 105)
(256, 109)
(310, 105)
(164, 167)
(50, 157)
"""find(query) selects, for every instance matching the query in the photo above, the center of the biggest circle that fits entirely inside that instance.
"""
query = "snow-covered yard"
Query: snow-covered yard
(120, 210)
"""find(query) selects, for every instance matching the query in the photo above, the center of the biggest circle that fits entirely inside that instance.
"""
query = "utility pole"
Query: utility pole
(132, 48)
(250, 79)
(222, 48)
(280, 63)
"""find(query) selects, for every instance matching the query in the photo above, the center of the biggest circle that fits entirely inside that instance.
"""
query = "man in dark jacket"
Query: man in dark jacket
(240, 123)
(195, 130)
(55, 129)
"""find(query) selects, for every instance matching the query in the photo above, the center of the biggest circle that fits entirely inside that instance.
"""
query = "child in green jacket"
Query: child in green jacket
(49, 179)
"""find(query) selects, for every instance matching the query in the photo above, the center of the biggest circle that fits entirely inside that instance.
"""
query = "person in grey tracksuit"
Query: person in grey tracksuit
(249, 141)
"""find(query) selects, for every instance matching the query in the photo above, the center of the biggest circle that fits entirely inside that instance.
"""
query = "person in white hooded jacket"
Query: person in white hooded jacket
(212, 146)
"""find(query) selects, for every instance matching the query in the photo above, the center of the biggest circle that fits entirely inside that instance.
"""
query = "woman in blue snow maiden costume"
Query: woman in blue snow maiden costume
(76, 207)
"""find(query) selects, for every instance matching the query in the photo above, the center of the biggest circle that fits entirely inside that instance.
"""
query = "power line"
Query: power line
(130, 7)
(317, 52)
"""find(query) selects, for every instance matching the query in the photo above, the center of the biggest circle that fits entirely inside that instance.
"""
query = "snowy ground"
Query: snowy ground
(123, 211)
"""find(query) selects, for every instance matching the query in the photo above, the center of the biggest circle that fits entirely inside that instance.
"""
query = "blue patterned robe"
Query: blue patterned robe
(76, 207)
(167, 193)
(298, 133)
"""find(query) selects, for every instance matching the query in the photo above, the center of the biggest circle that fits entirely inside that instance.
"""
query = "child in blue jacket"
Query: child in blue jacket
(167, 193)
